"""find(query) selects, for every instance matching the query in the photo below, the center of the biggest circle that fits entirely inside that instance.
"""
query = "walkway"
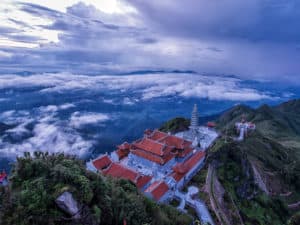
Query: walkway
(199, 206)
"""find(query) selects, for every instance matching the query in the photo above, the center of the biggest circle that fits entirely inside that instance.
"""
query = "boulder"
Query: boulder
(68, 204)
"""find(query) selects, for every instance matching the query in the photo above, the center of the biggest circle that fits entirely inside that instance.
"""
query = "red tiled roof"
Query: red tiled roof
(156, 135)
(3, 176)
(152, 157)
(122, 153)
(146, 155)
(251, 125)
(210, 124)
(173, 141)
(187, 143)
(180, 169)
(142, 181)
(150, 146)
(119, 171)
(124, 146)
(102, 162)
(157, 189)
(185, 152)
(159, 147)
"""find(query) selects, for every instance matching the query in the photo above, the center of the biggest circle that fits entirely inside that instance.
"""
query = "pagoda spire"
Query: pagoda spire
(195, 118)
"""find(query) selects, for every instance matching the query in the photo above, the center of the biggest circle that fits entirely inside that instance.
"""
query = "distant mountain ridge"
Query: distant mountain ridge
(281, 122)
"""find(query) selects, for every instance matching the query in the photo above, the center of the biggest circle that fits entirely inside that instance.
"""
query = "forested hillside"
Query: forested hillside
(261, 175)
(37, 181)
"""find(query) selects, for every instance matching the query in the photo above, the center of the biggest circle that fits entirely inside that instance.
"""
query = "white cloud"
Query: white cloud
(48, 133)
(5, 54)
(79, 120)
(66, 106)
(3, 99)
(55, 108)
(107, 6)
(148, 86)
(129, 101)
(109, 101)
(33, 27)
(7, 113)
(48, 138)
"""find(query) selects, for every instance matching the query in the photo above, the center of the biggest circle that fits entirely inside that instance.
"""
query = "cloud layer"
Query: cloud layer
(83, 114)
(79, 120)
(148, 86)
(42, 130)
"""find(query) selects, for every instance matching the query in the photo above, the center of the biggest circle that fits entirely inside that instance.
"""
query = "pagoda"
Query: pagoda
(194, 120)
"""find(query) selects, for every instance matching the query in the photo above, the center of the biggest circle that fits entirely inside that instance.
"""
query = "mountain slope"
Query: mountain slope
(37, 182)
(262, 173)
(280, 122)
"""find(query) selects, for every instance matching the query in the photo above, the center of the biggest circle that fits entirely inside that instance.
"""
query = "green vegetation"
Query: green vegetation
(273, 149)
(234, 172)
(37, 181)
(295, 219)
(273, 146)
(281, 123)
(175, 125)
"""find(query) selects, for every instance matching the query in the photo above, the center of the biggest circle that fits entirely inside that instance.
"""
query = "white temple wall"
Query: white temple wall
(141, 164)
(190, 174)
(114, 156)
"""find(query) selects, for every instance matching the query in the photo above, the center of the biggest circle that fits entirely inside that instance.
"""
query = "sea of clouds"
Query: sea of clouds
(42, 130)
(148, 85)
(59, 126)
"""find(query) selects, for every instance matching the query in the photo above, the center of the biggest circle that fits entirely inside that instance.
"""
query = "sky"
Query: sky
(251, 39)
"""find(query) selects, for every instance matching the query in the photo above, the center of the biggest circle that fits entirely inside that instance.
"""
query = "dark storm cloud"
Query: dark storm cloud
(254, 20)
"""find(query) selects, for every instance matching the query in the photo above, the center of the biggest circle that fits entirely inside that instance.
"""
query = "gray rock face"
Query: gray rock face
(67, 203)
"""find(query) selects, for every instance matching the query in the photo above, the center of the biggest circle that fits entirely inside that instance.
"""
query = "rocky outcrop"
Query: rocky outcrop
(258, 179)
(68, 204)
(245, 188)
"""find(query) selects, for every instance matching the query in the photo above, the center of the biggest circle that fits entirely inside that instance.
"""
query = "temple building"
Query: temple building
(243, 128)
(157, 152)
(159, 164)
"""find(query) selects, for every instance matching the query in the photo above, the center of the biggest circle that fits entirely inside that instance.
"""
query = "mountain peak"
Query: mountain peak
(292, 106)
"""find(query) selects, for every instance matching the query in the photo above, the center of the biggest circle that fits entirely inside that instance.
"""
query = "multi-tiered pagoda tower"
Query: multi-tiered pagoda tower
(194, 126)
(195, 119)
